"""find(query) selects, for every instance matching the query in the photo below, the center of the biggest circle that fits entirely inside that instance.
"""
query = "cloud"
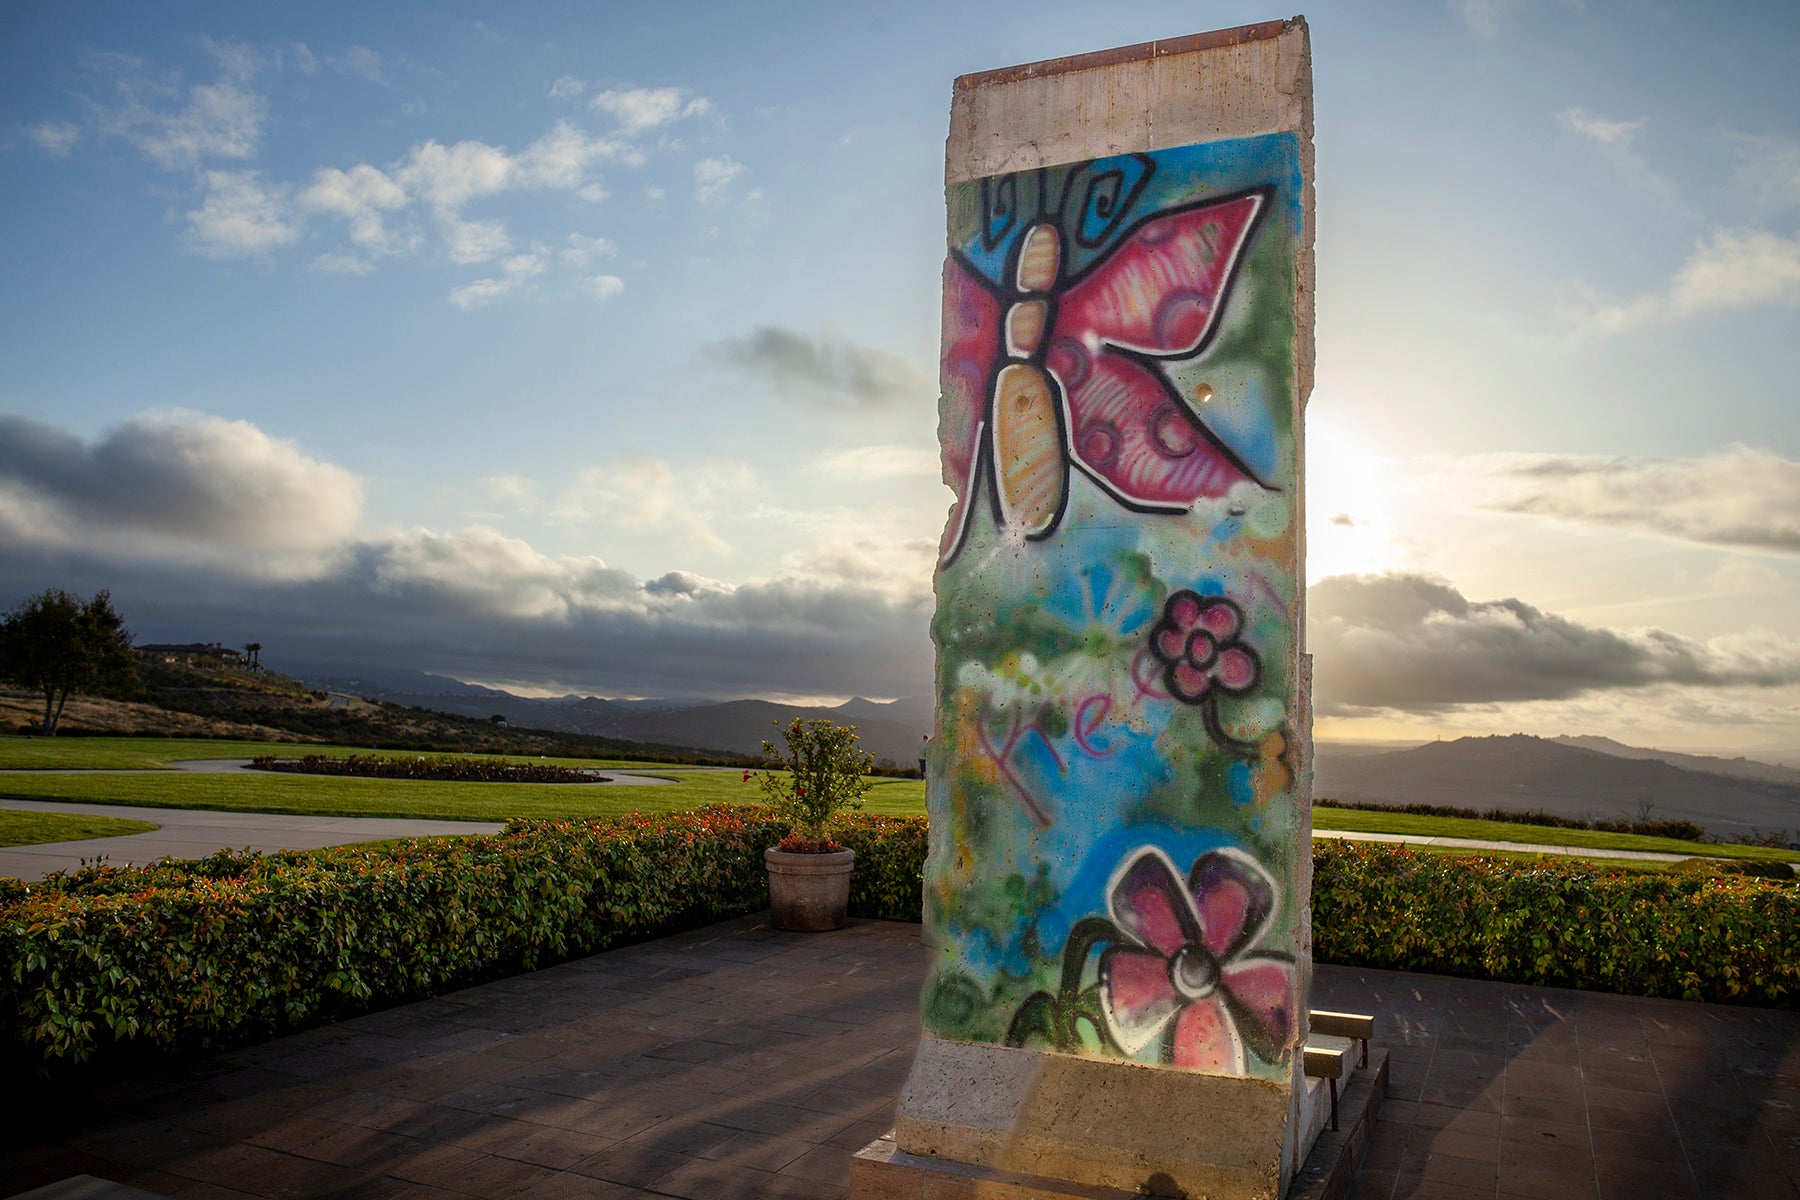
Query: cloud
(1483, 17)
(1735, 269)
(515, 491)
(639, 110)
(1769, 168)
(361, 62)
(582, 249)
(361, 196)
(566, 87)
(211, 529)
(174, 126)
(644, 492)
(474, 241)
(560, 158)
(515, 272)
(178, 487)
(220, 120)
(713, 176)
(881, 462)
(55, 138)
(1618, 143)
(1739, 497)
(685, 583)
(477, 604)
(445, 179)
(823, 370)
(239, 217)
(342, 264)
(1412, 643)
(603, 287)
(448, 177)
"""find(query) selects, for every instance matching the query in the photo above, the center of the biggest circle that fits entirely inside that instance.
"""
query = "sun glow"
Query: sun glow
(1348, 530)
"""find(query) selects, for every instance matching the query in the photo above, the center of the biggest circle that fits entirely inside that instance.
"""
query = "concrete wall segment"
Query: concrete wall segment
(1118, 888)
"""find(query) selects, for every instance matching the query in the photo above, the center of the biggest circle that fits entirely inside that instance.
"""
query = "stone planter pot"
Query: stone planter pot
(808, 892)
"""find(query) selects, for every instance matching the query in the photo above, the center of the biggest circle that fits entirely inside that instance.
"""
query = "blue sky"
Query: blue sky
(592, 347)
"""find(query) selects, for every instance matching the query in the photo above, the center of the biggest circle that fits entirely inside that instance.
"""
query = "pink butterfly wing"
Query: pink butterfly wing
(971, 347)
(1156, 295)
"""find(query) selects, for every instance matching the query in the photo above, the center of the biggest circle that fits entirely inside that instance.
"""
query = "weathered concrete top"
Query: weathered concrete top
(1258, 80)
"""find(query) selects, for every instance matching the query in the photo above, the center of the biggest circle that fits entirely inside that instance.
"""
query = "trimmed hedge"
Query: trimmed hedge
(106, 964)
(436, 766)
(109, 963)
(1696, 937)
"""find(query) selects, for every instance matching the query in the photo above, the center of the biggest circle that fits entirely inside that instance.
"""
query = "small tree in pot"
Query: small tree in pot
(820, 775)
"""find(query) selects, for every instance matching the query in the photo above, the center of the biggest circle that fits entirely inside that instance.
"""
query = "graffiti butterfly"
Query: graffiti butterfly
(1051, 367)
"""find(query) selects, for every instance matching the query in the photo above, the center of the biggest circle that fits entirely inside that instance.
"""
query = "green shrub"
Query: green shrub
(889, 879)
(1697, 937)
(820, 776)
(107, 963)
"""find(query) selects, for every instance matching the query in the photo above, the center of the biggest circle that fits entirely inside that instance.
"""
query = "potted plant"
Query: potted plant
(819, 775)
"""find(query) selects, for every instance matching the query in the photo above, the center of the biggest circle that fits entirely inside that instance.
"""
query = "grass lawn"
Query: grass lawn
(33, 828)
(1356, 820)
(692, 787)
(149, 754)
(330, 796)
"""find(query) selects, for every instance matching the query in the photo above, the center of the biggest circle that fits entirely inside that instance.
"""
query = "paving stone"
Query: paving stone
(733, 1063)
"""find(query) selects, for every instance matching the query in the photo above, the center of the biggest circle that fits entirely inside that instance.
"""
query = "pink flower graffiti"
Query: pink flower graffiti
(1187, 973)
(1197, 643)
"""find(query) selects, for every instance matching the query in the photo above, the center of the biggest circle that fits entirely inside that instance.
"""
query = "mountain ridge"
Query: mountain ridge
(893, 731)
(1520, 772)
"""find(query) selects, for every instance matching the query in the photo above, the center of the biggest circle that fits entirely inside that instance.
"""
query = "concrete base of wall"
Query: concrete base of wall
(1105, 1123)
(883, 1170)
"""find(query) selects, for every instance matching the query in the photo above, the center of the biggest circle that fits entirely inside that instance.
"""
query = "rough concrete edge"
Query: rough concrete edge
(1215, 39)
(1331, 1167)
(1282, 57)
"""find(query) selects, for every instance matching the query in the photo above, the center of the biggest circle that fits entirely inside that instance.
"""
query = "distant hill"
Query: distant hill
(209, 695)
(1734, 768)
(1519, 773)
(890, 731)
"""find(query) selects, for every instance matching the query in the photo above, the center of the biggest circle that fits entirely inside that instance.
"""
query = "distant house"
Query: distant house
(194, 654)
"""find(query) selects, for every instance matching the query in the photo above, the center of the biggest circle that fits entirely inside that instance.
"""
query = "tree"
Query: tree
(56, 643)
(253, 649)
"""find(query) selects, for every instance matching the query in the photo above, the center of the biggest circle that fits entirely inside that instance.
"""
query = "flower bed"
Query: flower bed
(441, 767)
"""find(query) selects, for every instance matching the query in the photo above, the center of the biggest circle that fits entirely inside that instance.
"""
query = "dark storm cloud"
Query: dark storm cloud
(1412, 643)
(173, 485)
(824, 370)
(477, 605)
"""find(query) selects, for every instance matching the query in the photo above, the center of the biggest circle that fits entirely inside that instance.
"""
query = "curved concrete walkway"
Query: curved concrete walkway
(195, 833)
(1441, 843)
